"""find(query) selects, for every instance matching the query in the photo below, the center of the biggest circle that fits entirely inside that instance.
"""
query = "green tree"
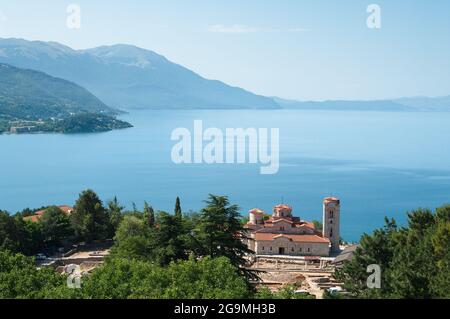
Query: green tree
(168, 241)
(219, 232)
(440, 283)
(132, 239)
(9, 234)
(178, 211)
(149, 214)
(20, 279)
(115, 216)
(191, 279)
(318, 225)
(89, 219)
(443, 214)
(163, 243)
(31, 237)
(408, 271)
(375, 249)
(56, 226)
(414, 260)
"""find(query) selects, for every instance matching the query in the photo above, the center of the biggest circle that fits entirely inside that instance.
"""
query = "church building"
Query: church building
(284, 234)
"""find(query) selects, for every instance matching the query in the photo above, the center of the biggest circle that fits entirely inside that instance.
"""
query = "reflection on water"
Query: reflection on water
(378, 163)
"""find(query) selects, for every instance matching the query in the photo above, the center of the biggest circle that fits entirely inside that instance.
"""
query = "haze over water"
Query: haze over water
(378, 164)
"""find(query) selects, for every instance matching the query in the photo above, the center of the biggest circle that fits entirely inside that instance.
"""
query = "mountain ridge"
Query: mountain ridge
(32, 101)
(21, 90)
(125, 76)
(406, 104)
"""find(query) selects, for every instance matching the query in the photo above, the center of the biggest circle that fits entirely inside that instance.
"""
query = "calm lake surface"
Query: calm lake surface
(378, 164)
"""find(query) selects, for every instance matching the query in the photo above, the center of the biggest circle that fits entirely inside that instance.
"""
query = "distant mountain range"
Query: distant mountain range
(125, 76)
(342, 105)
(414, 104)
(426, 103)
(128, 77)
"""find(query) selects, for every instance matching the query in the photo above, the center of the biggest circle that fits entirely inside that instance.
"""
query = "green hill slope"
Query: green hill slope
(27, 94)
(32, 101)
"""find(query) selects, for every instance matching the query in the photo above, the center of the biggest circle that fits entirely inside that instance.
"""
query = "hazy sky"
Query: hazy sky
(305, 50)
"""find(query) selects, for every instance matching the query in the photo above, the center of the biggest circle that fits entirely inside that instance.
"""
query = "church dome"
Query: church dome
(282, 211)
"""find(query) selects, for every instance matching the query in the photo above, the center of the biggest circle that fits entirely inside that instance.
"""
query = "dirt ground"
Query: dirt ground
(276, 274)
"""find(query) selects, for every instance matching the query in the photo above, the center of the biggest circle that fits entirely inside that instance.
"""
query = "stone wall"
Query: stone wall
(291, 248)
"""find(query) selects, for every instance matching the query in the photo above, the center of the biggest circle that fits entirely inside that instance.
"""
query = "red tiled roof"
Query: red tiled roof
(307, 224)
(285, 208)
(68, 210)
(295, 238)
(332, 199)
(33, 218)
(282, 220)
(294, 220)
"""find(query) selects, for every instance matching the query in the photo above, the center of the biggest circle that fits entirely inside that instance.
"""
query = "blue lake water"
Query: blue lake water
(378, 164)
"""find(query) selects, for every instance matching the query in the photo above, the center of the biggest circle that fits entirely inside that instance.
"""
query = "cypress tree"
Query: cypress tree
(149, 214)
(178, 211)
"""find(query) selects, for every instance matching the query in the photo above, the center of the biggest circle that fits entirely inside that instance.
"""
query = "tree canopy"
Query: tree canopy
(20, 279)
(414, 260)
(90, 220)
(202, 255)
(188, 279)
(56, 226)
(219, 232)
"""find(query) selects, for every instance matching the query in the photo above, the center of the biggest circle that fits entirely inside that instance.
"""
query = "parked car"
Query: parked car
(41, 257)
(335, 290)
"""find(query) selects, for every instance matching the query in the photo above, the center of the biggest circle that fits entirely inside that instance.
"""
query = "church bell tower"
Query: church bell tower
(331, 221)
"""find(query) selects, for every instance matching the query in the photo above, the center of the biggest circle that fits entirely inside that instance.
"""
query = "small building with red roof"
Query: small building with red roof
(68, 210)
